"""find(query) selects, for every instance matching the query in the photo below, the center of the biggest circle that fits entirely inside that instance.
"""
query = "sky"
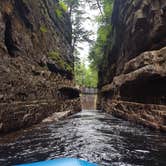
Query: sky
(91, 25)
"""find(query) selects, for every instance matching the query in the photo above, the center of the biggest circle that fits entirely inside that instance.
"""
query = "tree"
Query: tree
(85, 76)
(79, 33)
(105, 29)
(72, 6)
(95, 4)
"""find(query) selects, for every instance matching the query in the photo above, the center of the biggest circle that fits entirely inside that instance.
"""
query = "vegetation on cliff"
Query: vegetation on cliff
(86, 75)
(98, 46)
(105, 28)
(129, 77)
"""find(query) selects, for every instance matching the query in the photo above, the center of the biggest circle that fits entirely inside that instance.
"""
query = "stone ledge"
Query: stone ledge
(18, 115)
(149, 115)
(156, 57)
(144, 72)
(57, 116)
(143, 80)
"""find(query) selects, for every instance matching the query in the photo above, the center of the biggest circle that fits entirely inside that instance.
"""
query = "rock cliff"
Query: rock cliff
(132, 77)
(36, 66)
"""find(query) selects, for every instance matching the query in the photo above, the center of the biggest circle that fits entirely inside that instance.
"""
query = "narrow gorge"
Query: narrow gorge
(132, 76)
(37, 65)
(83, 82)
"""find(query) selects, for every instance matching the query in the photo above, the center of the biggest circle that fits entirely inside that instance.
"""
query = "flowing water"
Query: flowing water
(90, 135)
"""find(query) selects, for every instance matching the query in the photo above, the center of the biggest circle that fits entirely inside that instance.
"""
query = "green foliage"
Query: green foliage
(55, 55)
(58, 12)
(107, 7)
(79, 32)
(97, 50)
(43, 29)
(103, 33)
(103, 39)
(85, 76)
(63, 6)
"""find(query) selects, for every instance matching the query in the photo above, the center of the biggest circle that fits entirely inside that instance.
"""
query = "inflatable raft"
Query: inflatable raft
(61, 162)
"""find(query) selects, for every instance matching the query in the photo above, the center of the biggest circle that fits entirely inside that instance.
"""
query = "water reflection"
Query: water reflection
(89, 135)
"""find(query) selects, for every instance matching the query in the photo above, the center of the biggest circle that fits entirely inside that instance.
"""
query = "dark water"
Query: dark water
(89, 135)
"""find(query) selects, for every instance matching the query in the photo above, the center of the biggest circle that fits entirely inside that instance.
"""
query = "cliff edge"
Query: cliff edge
(36, 67)
(132, 77)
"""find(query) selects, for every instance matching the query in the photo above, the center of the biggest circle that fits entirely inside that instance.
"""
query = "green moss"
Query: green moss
(43, 29)
(68, 67)
(55, 55)
(58, 12)
(63, 6)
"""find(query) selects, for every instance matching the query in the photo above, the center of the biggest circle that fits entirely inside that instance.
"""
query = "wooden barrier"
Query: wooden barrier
(88, 98)
(85, 90)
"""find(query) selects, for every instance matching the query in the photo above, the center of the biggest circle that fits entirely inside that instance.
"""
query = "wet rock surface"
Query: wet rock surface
(134, 68)
(36, 61)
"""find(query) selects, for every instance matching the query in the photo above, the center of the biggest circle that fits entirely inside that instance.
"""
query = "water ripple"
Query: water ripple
(90, 135)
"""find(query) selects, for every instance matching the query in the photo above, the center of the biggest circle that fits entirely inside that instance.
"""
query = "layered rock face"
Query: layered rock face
(132, 78)
(36, 66)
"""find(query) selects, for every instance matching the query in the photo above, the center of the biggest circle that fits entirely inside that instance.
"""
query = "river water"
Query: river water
(90, 135)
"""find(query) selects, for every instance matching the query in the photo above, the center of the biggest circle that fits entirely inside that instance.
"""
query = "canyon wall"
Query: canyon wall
(36, 66)
(132, 77)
